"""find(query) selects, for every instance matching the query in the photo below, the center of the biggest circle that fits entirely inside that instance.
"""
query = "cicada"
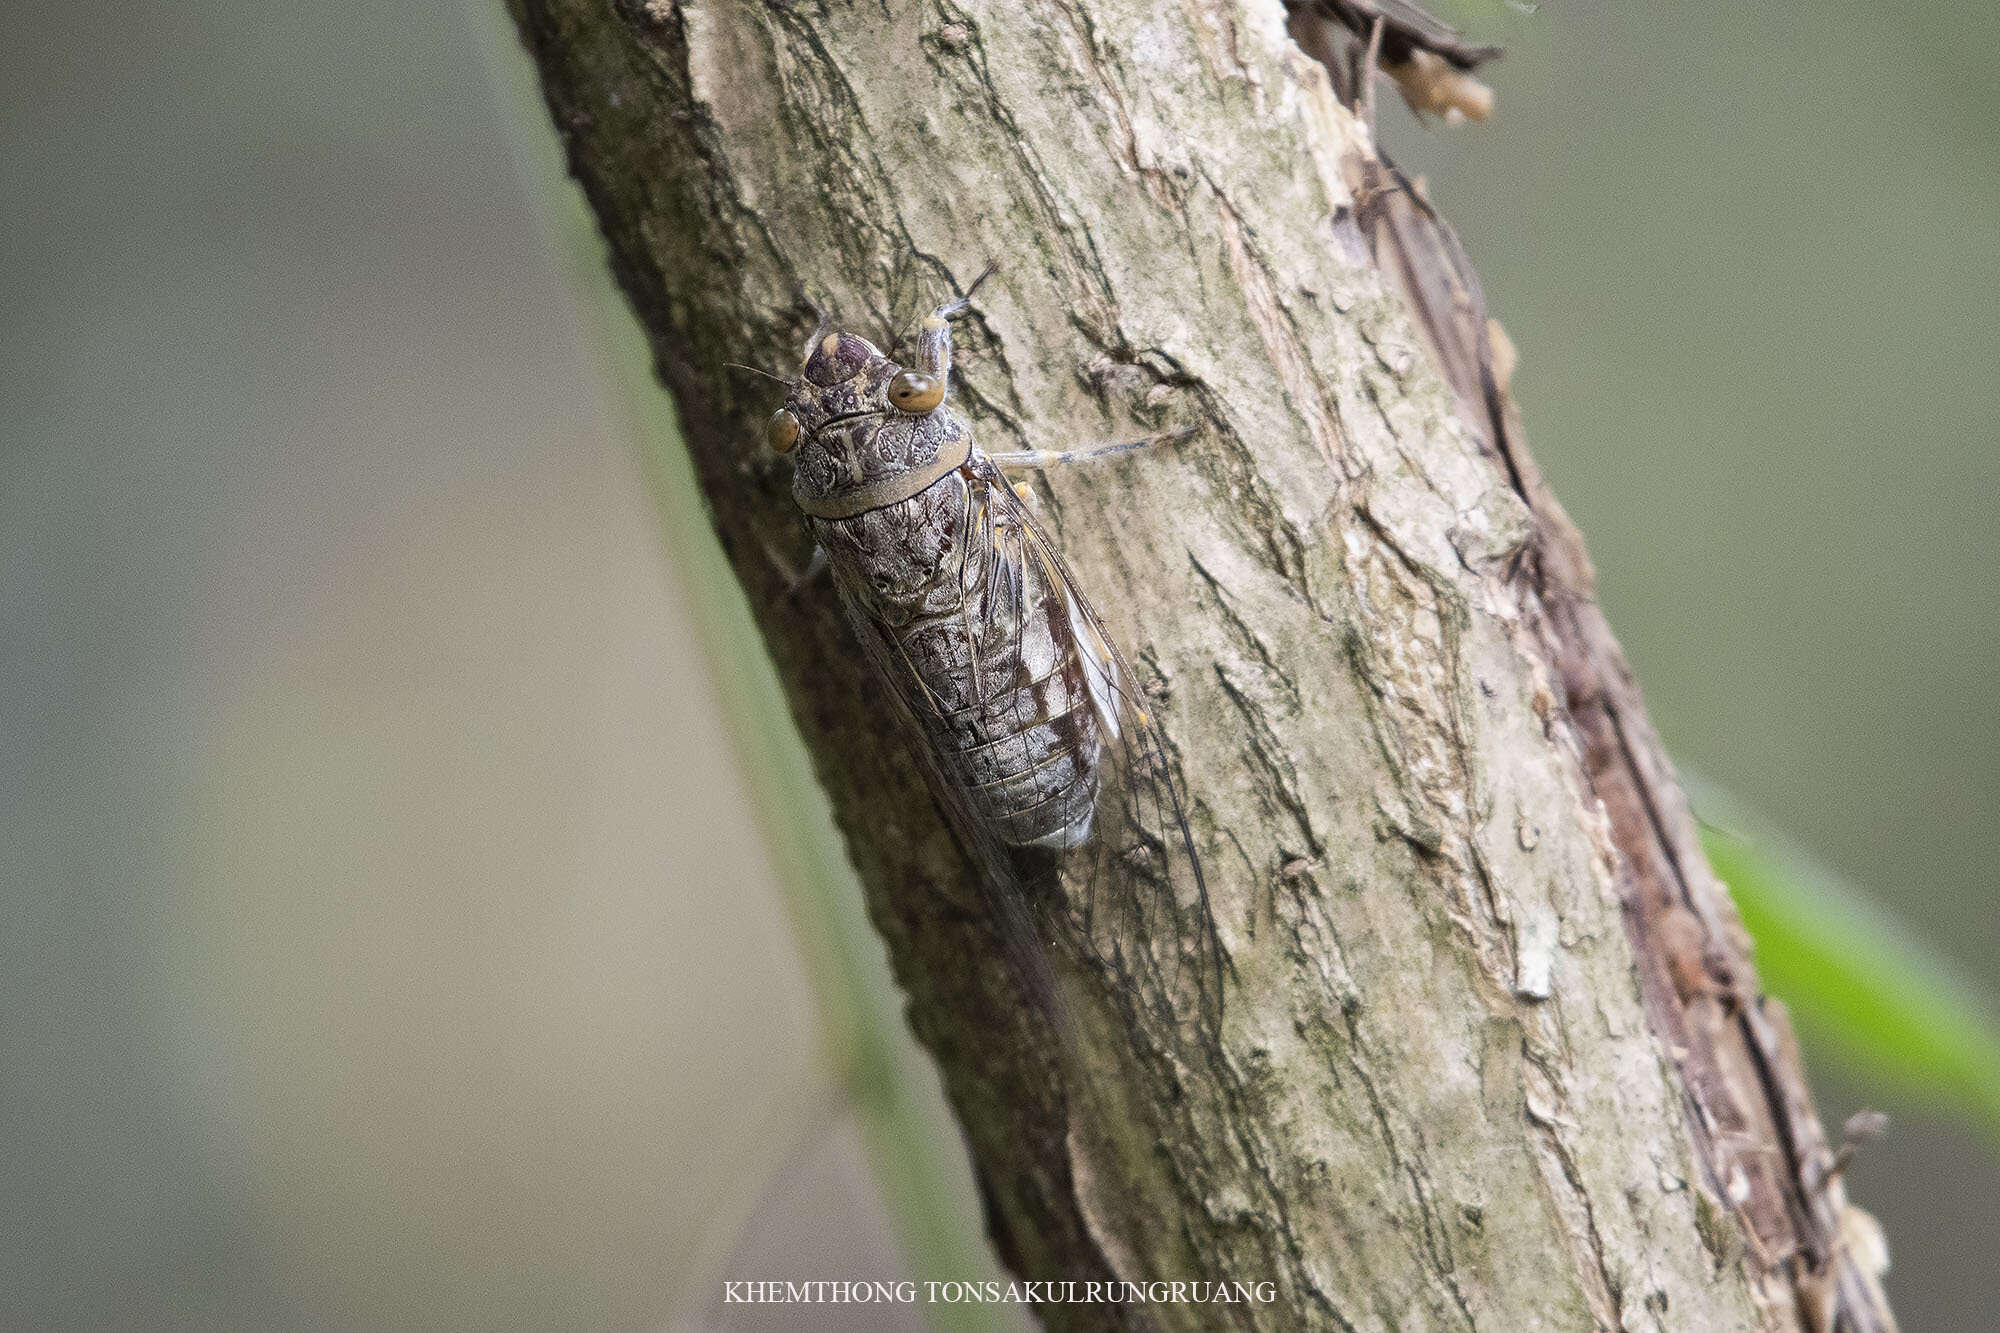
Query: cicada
(1034, 732)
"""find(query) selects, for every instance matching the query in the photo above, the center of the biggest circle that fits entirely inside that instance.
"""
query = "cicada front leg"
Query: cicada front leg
(1048, 458)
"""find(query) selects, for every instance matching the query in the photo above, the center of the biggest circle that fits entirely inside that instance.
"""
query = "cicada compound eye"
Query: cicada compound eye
(784, 431)
(914, 391)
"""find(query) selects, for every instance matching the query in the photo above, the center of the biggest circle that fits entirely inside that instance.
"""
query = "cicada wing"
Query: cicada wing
(1004, 876)
(1134, 896)
(1119, 886)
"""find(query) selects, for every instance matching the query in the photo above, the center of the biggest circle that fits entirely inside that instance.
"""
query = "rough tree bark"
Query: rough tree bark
(1494, 1054)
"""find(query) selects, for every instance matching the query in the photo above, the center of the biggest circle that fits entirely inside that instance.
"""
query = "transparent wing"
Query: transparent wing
(1005, 882)
(1123, 889)
(1131, 897)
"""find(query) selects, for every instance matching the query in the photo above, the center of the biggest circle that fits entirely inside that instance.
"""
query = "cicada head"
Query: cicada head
(854, 421)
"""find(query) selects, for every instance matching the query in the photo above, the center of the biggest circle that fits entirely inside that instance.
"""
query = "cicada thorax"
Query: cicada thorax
(987, 652)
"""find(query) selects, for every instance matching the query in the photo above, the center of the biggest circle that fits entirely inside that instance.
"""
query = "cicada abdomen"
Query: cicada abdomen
(1032, 731)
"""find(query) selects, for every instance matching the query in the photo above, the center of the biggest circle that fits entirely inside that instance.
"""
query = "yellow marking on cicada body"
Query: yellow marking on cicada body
(932, 323)
(830, 345)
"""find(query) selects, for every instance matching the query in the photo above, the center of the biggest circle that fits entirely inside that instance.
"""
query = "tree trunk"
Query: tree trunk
(1493, 1052)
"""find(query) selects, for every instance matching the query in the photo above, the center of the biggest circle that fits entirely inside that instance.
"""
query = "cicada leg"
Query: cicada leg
(797, 580)
(1047, 458)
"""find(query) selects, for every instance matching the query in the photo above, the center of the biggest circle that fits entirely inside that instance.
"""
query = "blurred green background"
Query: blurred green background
(389, 937)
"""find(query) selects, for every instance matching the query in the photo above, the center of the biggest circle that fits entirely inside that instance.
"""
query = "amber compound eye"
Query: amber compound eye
(784, 431)
(914, 391)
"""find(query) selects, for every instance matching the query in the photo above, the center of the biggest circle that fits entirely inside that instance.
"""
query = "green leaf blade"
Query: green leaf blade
(1859, 984)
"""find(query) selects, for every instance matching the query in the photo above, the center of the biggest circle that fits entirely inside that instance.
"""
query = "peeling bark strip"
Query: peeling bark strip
(1493, 1055)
